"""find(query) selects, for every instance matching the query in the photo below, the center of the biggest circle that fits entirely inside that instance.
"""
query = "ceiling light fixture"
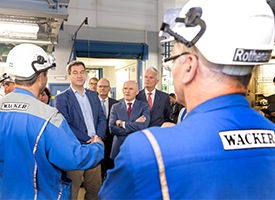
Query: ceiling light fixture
(18, 30)
(26, 41)
(19, 27)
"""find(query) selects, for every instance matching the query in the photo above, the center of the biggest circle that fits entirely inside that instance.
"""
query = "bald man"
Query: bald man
(127, 116)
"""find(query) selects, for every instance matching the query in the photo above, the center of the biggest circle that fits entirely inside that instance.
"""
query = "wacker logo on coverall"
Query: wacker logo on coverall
(15, 106)
(252, 55)
(247, 139)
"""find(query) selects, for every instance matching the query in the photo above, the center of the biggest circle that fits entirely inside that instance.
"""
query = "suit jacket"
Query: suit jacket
(175, 112)
(119, 111)
(109, 138)
(161, 107)
(68, 106)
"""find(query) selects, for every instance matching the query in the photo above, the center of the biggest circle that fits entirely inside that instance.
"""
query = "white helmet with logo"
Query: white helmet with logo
(233, 33)
(25, 60)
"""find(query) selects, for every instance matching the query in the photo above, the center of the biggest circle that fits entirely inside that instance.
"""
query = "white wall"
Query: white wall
(123, 14)
(112, 20)
(109, 73)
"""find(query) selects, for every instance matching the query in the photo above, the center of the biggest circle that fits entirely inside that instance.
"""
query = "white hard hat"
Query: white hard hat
(25, 60)
(235, 32)
(6, 78)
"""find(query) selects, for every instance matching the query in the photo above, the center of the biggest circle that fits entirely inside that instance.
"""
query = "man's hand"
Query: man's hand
(90, 140)
(273, 114)
(141, 119)
(119, 123)
(98, 139)
(167, 124)
(95, 139)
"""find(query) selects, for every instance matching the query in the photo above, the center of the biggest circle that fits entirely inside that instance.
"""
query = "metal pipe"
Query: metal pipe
(84, 22)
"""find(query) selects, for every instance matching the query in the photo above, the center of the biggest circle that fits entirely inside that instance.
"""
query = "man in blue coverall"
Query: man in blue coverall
(36, 143)
(223, 149)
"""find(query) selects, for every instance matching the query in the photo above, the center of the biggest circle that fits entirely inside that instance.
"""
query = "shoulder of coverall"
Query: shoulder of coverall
(23, 103)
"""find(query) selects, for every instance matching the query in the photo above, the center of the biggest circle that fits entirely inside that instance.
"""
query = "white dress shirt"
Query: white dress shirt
(127, 106)
(152, 95)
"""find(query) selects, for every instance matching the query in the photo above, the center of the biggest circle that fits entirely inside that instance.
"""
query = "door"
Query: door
(56, 88)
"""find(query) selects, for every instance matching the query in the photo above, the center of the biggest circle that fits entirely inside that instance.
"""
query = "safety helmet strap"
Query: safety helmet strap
(193, 18)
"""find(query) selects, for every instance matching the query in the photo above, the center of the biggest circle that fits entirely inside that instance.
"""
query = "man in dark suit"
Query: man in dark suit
(158, 101)
(83, 112)
(175, 108)
(127, 116)
(103, 89)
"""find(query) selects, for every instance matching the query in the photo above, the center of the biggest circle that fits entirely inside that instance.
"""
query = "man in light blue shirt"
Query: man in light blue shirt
(83, 111)
(86, 111)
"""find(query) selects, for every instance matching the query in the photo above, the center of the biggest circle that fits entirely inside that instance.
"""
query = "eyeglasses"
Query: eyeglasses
(168, 63)
(93, 83)
(103, 86)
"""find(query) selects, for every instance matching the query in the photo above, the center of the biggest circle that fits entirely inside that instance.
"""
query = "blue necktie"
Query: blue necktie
(103, 107)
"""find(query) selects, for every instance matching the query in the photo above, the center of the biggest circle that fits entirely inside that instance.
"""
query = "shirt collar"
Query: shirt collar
(153, 92)
(130, 102)
(103, 99)
(75, 91)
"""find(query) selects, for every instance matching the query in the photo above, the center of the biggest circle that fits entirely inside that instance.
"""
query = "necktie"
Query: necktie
(150, 100)
(103, 107)
(129, 109)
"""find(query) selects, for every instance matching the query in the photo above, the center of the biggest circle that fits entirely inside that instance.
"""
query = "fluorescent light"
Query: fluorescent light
(18, 30)
(18, 27)
(26, 41)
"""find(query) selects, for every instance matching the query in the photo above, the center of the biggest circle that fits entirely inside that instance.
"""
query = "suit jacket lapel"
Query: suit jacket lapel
(72, 98)
(143, 96)
(124, 113)
(135, 108)
(92, 104)
(110, 104)
(156, 100)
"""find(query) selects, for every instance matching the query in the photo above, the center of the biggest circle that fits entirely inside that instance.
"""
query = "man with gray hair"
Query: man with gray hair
(223, 149)
(158, 101)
